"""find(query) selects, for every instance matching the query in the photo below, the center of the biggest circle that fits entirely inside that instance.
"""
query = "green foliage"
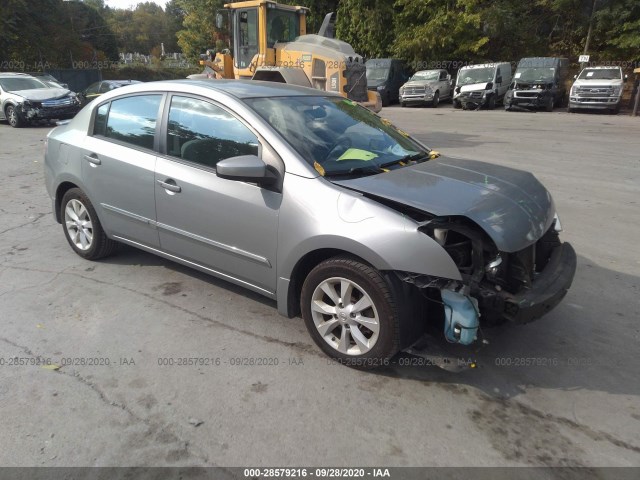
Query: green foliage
(199, 25)
(371, 31)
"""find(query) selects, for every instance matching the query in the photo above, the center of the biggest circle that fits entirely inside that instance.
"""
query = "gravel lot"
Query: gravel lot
(564, 391)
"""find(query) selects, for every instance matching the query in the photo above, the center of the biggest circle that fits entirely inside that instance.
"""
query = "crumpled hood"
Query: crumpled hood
(511, 205)
(472, 87)
(39, 94)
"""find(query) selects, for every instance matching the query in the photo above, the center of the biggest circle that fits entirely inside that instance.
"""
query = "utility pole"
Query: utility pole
(586, 43)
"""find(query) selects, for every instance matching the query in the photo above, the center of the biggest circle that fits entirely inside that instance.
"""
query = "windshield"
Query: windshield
(600, 74)
(282, 26)
(540, 74)
(376, 75)
(17, 84)
(335, 135)
(468, 76)
(426, 75)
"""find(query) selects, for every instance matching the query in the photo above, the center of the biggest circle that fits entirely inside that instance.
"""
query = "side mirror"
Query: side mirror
(575, 77)
(219, 21)
(245, 168)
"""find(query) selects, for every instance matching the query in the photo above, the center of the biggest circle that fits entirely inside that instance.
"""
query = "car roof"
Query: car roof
(14, 74)
(238, 88)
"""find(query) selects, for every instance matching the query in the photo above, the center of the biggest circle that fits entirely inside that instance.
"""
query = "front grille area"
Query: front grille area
(356, 87)
(597, 91)
(58, 102)
(414, 91)
(526, 94)
(472, 94)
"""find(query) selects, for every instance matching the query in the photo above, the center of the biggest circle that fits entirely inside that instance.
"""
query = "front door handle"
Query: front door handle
(93, 160)
(169, 185)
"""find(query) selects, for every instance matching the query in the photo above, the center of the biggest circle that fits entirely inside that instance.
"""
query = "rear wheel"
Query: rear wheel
(13, 117)
(350, 312)
(82, 228)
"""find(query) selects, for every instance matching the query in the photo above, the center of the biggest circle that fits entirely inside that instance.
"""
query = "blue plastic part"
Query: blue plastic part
(461, 317)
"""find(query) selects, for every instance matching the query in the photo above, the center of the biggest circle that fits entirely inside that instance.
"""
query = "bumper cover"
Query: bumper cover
(594, 103)
(549, 288)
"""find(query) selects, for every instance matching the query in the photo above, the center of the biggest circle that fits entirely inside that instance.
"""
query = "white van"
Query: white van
(482, 85)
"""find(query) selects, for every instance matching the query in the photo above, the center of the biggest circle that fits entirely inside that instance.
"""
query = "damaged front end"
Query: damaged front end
(525, 96)
(496, 286)
(55, 108)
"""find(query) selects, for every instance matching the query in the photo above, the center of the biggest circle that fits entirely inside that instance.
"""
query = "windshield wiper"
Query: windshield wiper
(370, 169)
(414, 157)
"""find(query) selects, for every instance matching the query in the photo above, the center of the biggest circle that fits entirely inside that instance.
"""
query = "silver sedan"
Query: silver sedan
(311, 200)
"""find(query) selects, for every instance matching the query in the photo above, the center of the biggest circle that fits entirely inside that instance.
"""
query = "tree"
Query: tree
(199, 25)
(368, 25)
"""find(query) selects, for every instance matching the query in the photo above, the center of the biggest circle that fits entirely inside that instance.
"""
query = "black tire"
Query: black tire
(386, 99)
(403, 104)
(13, 117)
(456, 104)
(380, 292)
(436, 100)
(550, 104)
(100, 245)
(492, 102)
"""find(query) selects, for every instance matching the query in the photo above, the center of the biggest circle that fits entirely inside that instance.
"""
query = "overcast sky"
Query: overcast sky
(130, 3)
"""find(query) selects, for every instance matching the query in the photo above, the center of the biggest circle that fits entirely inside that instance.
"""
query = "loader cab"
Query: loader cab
(256, 27)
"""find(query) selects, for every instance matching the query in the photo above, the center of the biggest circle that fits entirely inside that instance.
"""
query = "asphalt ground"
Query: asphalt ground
(563, 391)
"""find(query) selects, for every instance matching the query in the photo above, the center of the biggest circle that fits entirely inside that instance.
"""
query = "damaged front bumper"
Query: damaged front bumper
(49, 110)
(547, 290)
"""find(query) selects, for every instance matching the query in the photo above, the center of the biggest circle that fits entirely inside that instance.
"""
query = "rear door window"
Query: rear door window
(133, 120)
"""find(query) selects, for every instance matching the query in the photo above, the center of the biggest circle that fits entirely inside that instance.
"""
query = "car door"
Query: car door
(443, 85)
(228, 227)
(118, 165)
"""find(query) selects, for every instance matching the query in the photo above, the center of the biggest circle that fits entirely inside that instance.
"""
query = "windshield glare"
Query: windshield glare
(336, 133)
(600, 74)
(17, 84)
(377, 74)
(540, 74)
(475, 75)
(426, 75)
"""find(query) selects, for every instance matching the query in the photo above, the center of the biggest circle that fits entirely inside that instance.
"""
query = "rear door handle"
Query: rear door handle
(172, 187)
(93, 159)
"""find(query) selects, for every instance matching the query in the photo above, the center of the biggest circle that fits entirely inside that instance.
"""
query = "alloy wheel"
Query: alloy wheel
(345, 316)
(78, 224)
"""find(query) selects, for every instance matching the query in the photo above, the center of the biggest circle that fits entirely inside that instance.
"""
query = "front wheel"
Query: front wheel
(13, 117)
(491, 104)
(82, 228)
(436, 100)
(550, 104)
(350, 312)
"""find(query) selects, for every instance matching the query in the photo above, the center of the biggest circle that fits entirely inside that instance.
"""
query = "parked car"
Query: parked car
(386, 76)
(25, 99)
(598, 88)
(314, 201)
(539, 82)
(426, 87)
(482, 85)
(49, 80)
(96, 89)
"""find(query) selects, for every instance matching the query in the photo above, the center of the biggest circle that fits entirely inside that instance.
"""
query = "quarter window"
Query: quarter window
(203, 133)
(133, 120)
(101, 119)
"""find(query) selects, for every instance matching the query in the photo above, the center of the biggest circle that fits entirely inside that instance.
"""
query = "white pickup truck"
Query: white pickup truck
(598, 88)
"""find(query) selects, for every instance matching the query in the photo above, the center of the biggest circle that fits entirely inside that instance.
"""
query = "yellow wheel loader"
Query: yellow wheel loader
(270, 42)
